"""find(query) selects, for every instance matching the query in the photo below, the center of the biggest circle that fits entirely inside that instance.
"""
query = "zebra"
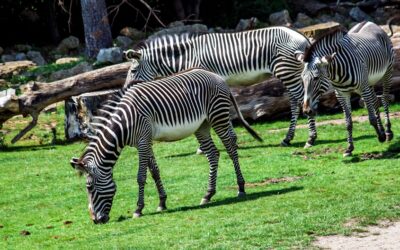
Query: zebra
(167, 109)
(241, 58)
(352, 61)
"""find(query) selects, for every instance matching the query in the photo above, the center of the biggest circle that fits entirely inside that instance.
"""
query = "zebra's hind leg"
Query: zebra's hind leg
(312, 136)
(294, 111)
(385, 101)
(228, 137)
(344, 100)
(371, 101)
(144, 150)
(208, 147)
(155, 173)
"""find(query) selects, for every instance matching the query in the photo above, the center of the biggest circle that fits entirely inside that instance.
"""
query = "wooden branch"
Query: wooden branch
(37, 96)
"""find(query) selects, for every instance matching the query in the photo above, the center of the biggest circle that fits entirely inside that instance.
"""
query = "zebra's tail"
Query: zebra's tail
(389, 23)
(243, 121)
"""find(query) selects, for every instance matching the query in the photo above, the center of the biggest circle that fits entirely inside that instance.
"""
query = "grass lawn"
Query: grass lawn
(293, 194)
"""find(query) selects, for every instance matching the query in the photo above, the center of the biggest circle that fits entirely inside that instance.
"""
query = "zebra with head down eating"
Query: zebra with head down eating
(352, 61)
(240, 58)
(165, 110)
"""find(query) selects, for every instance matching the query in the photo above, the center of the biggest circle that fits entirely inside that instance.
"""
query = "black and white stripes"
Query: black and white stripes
(351, 62)
(241, 58)
(166, 110)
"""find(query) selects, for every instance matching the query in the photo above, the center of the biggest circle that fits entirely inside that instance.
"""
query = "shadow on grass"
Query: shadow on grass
(48, 146)
(227, 201)
(393, 152)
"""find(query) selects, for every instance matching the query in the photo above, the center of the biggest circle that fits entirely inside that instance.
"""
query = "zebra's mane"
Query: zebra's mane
(310, 50)
(185, 37)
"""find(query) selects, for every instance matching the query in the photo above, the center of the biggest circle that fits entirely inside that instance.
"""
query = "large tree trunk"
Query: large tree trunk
(187, 9)
(96, 26)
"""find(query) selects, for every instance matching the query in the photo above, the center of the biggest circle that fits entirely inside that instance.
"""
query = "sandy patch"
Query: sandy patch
(384, 236)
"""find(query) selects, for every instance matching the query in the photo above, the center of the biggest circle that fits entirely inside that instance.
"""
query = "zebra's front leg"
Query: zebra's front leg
(229, 139)
(369, 96)
(385, 101)
(208, 147)
(344, 100)
(144, 150)
(294, 112)
(312, 135)
(155, 173)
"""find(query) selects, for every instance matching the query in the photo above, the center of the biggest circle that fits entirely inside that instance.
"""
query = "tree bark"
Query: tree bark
(189, 9)
(96, 26)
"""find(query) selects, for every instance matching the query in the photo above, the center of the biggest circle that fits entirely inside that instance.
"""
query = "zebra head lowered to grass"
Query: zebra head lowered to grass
(169, 109)
(241, 58)
(352, 61)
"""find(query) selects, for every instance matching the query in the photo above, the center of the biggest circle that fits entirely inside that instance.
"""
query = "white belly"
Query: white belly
(248, 78)
(373, 79)
(163, 132)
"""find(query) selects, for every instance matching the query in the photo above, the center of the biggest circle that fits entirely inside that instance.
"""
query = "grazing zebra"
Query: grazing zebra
(351, 62)
(241, 58)
(168, 109)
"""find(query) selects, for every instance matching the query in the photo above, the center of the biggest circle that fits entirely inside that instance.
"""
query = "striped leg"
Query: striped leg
(228, 137)
(144, 150)
(371, 101)
(294, 110)
(155, 173)
(208, 147)
(312, 135)
(344, 100)
(385, 101)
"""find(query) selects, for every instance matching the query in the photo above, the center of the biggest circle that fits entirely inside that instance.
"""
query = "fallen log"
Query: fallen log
(37, 96)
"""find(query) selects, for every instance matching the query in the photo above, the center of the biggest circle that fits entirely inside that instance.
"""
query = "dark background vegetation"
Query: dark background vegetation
(45, 22)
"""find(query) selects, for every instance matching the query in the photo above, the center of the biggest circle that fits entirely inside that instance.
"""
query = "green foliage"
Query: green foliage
(293, 194)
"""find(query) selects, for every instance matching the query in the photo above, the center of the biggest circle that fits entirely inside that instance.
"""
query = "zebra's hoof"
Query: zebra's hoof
(204, 201)
(137, 214)
(382, 137)
(308, 145)
(199, 152)
(347, 154)
(285, 143)
(389, 136)
(241, 194)
(160, 209)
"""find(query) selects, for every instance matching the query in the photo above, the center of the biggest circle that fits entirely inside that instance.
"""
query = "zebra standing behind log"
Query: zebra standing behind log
(352, 62)
(169, 109)
(242, 58)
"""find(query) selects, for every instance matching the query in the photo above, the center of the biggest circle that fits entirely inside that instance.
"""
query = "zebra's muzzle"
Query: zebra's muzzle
(101, 219)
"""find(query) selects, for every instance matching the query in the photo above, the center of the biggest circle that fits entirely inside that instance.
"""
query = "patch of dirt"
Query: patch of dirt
(383, 236)
(362, 118)
(25, 233)
(274, 181)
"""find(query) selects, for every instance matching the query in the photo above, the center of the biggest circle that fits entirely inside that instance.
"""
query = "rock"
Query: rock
(67, 60)
(67, 44)
(176, 24)
(358, 15)
(20, 57)
(36, 57)
(8, 58)
(247, 24)
(309, 7)
(77, 69)
(22, 47)
(280, 18)
(1, 50)
(190, 29)
(3, 83)
(10, 68)
(302, 20)
(123, 42)
(110, 55)
(133, 33)
(7, 92)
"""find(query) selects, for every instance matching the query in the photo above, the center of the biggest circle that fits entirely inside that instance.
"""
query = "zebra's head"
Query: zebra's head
(315, 79)
(100, 188)
(140, 69)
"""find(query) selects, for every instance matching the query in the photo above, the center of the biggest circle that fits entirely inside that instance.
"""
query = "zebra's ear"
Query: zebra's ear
(299, 55)
(131, 54)
(78, 165)
(328, 59)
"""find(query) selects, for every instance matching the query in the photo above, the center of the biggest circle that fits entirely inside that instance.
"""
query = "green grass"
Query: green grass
(41, 193)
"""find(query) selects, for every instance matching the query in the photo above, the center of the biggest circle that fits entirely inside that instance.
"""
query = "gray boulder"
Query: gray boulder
(110, 55)
(280, 18)
(358, 15)
(22, 47)
(36, 57)
(247, 24)
(77, 69)
(8, 58)
(20, 56)
(302, 20)
(67, 44)
(132, 33)
(123, 42)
